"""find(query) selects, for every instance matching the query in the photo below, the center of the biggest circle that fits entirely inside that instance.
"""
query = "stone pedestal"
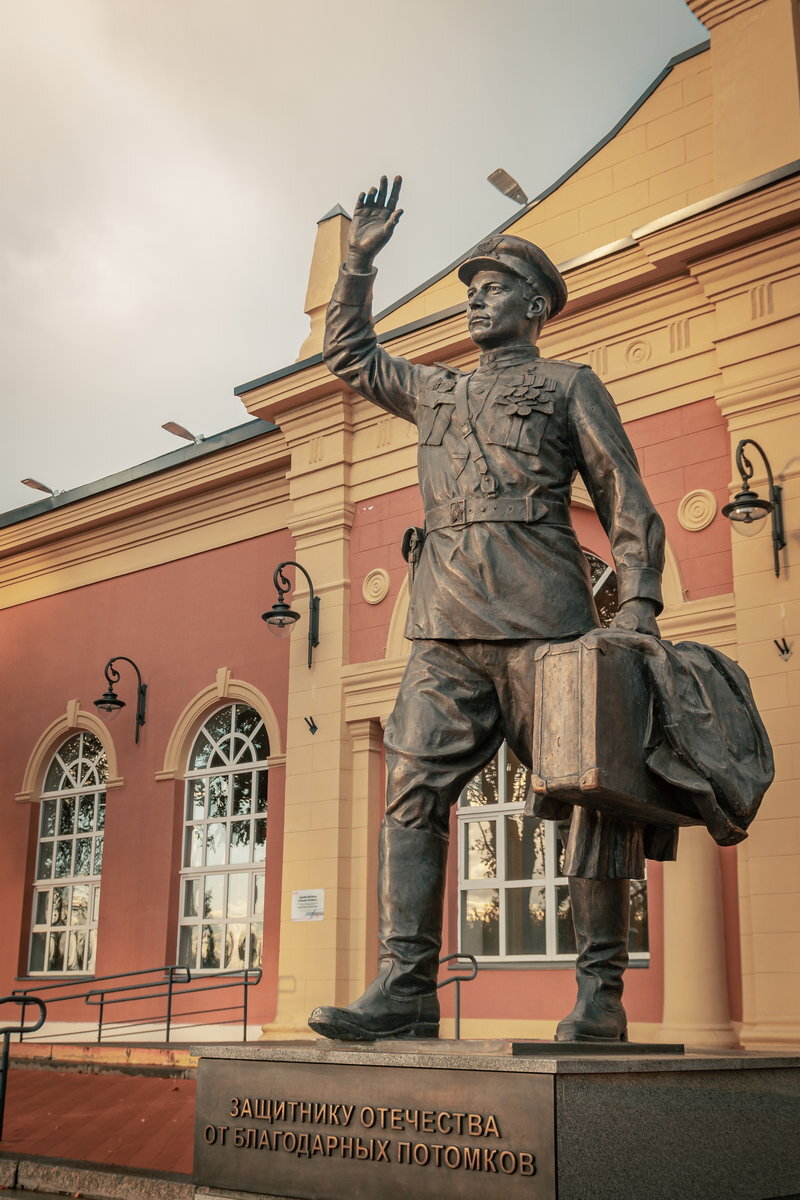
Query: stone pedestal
(328, 1122)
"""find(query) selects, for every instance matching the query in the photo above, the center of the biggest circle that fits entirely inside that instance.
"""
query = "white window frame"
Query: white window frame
(55, 895)
(550, 879)
(195, 834)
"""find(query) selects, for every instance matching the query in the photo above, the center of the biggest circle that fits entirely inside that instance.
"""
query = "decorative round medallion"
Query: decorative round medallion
(638, 352)
(697, 509)
(375, 586)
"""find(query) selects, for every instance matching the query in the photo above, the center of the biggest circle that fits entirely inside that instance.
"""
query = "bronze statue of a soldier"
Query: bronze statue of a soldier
(499, 573)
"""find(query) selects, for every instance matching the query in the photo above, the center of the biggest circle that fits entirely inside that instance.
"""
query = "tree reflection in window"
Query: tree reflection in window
(514, 898)
(69, 859)
(224, 846)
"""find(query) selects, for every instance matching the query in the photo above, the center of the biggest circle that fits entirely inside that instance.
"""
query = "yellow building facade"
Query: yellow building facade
(679, 241)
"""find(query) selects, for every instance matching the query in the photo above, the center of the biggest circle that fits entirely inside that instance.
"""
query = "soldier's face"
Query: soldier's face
(500, 310)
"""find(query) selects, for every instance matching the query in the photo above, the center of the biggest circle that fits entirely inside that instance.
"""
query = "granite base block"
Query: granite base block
(330, 1121)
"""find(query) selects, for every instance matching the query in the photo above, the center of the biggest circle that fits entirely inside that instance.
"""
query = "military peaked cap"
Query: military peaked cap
(520, 258)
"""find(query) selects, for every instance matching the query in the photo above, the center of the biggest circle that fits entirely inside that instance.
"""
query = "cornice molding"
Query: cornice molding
(711, 620)
(714, 12)
(655, 254)
(174, 525)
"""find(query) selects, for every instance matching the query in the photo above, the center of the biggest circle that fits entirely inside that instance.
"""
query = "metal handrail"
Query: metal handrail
(7, 1030)
(458, 980)
(171, 979)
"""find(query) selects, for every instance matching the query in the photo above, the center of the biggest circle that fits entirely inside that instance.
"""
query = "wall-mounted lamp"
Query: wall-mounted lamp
(747, 510)
(110, 702)
(281, 619)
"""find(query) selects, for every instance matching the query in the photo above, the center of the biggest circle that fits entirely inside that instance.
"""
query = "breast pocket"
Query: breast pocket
(519, 424)
(433, 419)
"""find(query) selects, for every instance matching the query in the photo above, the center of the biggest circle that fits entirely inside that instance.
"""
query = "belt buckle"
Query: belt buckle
(458, 512)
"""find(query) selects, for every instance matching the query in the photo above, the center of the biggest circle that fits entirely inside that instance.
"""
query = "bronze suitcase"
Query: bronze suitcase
(593, 726)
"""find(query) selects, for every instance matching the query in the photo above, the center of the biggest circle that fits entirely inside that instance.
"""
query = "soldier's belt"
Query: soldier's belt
(474, 509)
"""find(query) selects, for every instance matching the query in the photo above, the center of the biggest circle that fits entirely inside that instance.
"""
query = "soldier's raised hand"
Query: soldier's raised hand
(373, 223)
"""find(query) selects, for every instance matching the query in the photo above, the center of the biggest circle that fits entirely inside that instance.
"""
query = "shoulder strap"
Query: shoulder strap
(467, 431)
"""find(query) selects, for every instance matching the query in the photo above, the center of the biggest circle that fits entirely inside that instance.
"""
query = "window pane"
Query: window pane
(212, 895)
(483, 788)
(481, 850)
(247, 719)
(79, 914)
(38, 942)
(90, 953)
(42, 905)
(101, 811)
(193, 846)
(241, 751)
(242, 794)
(526, 932)
(58, 915)
(565, 932)
(215, 845)
(187, 946)
(63, 859)
(210, 945)
(237, 894)
(638, 938)
(55, 774)
(196, 800)
(85, 814)
(191, 898)
(261, 744)
(95, 904)
(68, 753)
(258, 895)
(83, 856)
(48, 818)
(98, 854)
(240, 841)
(261, 791)
(44, 868)
(220, 723)
(66, 823)
(517, 779)
(260, 841)
(218, 797)
(76, 951)
(55, 952)
(524, 847)
(236, 947)
(256, 945)
(480, 922)
(561, 853)
(201, 753)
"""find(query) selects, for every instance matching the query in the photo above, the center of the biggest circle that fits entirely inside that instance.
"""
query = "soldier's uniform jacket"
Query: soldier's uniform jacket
(500, 558)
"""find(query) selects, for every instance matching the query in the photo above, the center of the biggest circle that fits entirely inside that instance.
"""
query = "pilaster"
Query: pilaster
(753, 289)
(754, 65)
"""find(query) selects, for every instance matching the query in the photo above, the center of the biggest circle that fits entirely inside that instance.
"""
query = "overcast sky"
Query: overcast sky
(165, 163)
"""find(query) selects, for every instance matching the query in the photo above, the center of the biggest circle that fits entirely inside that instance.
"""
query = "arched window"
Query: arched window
(69, 858)
(224, 845)
(513, 896)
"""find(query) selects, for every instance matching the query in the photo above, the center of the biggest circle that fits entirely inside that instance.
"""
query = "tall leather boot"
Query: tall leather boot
(402, 1001)
(601, 915)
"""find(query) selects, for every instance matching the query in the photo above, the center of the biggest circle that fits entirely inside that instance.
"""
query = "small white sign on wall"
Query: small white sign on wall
(308, 905)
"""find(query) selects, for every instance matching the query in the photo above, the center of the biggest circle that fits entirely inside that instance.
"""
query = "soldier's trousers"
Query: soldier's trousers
(457, 702)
